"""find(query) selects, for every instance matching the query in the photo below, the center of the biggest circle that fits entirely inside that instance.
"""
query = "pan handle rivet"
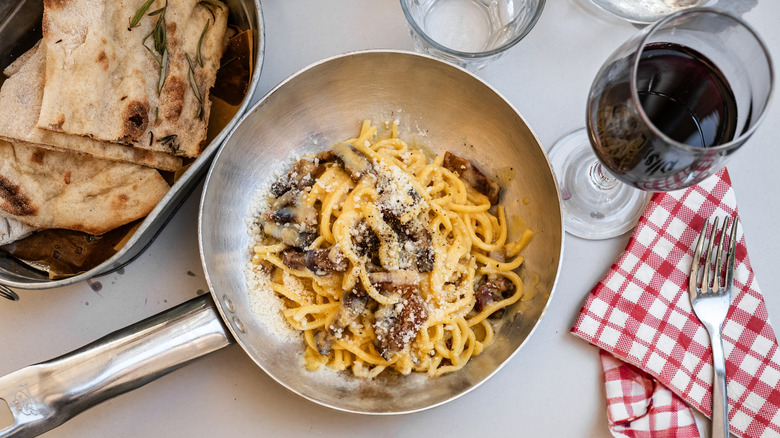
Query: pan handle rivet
(228, 303)
(239, 324)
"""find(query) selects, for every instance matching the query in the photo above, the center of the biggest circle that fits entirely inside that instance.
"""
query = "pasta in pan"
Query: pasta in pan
(386, 260)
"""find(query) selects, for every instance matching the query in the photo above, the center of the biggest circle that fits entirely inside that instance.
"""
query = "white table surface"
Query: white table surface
(553, 388)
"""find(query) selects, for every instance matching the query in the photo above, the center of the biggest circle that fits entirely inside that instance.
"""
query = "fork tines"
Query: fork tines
(700, 278)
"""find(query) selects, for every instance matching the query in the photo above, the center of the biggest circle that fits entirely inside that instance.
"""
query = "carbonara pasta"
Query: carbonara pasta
(384, 259)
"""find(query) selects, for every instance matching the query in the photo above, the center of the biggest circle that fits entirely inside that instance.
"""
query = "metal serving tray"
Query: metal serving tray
(20, 29)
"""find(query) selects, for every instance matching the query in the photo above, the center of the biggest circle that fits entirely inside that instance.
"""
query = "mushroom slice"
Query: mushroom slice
(289, 234)
(325, 156)
(498, 254)
(298, 214)
(354, 163)
(286, 199)
(424, 253)
(418, 238)
(290, 221)
(364, 240)
(469, 172)
(395, 281)
(303, 174)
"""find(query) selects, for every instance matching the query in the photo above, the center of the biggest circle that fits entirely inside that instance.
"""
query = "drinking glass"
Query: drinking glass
(665, 111)
(645, 11)
(469, 33)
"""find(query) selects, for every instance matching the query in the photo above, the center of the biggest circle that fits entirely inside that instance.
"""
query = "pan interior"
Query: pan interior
(438, 105)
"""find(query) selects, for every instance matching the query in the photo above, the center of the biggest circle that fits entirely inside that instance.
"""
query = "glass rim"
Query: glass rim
(473, 55)
(649, 31)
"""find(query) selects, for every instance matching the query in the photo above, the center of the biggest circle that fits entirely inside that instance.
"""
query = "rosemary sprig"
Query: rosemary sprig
(159, 33)
(157, 59)
(222, 64)
(208, 4)
(170, 141)
(194, 85)
(139, 14)
(159, 36)
(200, 42)
(163, 71)
(193, 79)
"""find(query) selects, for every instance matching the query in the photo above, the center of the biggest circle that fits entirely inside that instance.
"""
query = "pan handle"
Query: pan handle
(43, 396)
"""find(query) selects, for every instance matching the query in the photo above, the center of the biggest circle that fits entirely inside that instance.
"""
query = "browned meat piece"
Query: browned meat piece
(282, 186)
(354, 163)
(320, 261)
(472, 176)
(323, 261)
(294, 259)
(350, 307)
(265, 267)
(303, 174)
(494, 289)
(397, 325)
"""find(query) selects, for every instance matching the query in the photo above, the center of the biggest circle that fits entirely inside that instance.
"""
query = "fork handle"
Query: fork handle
(720, 403)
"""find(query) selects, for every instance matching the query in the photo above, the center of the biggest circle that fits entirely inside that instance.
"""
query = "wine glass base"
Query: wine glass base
(595, 206)
(643, 13)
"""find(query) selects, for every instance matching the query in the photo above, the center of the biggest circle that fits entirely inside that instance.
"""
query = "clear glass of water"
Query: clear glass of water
(470, 33)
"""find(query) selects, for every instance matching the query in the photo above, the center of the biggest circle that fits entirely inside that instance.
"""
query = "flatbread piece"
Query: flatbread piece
(20, 99)
(51, 189)
(103, 76)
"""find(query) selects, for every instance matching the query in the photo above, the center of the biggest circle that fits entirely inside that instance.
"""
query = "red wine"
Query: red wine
(683, 95)
(686, 96)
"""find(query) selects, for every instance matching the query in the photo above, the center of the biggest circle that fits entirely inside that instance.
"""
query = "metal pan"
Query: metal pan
(20, 30)
(447, 108)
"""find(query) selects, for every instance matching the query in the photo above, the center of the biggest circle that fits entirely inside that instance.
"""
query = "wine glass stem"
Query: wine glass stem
(600, 178)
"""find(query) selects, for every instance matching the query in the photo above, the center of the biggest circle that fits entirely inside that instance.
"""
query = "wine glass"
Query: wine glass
(646, 11)
(667, 110)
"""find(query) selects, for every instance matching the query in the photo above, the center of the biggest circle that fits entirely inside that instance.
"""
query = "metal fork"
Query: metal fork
(710, 302)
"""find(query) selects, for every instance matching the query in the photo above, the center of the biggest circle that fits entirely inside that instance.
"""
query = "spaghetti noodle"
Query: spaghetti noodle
(386, 260)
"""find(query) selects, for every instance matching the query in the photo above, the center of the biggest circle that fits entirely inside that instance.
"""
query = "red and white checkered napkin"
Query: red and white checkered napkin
(640, 313)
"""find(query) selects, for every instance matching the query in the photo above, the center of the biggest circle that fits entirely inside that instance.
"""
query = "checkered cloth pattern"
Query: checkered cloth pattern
(639, 407)
(640, 313)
